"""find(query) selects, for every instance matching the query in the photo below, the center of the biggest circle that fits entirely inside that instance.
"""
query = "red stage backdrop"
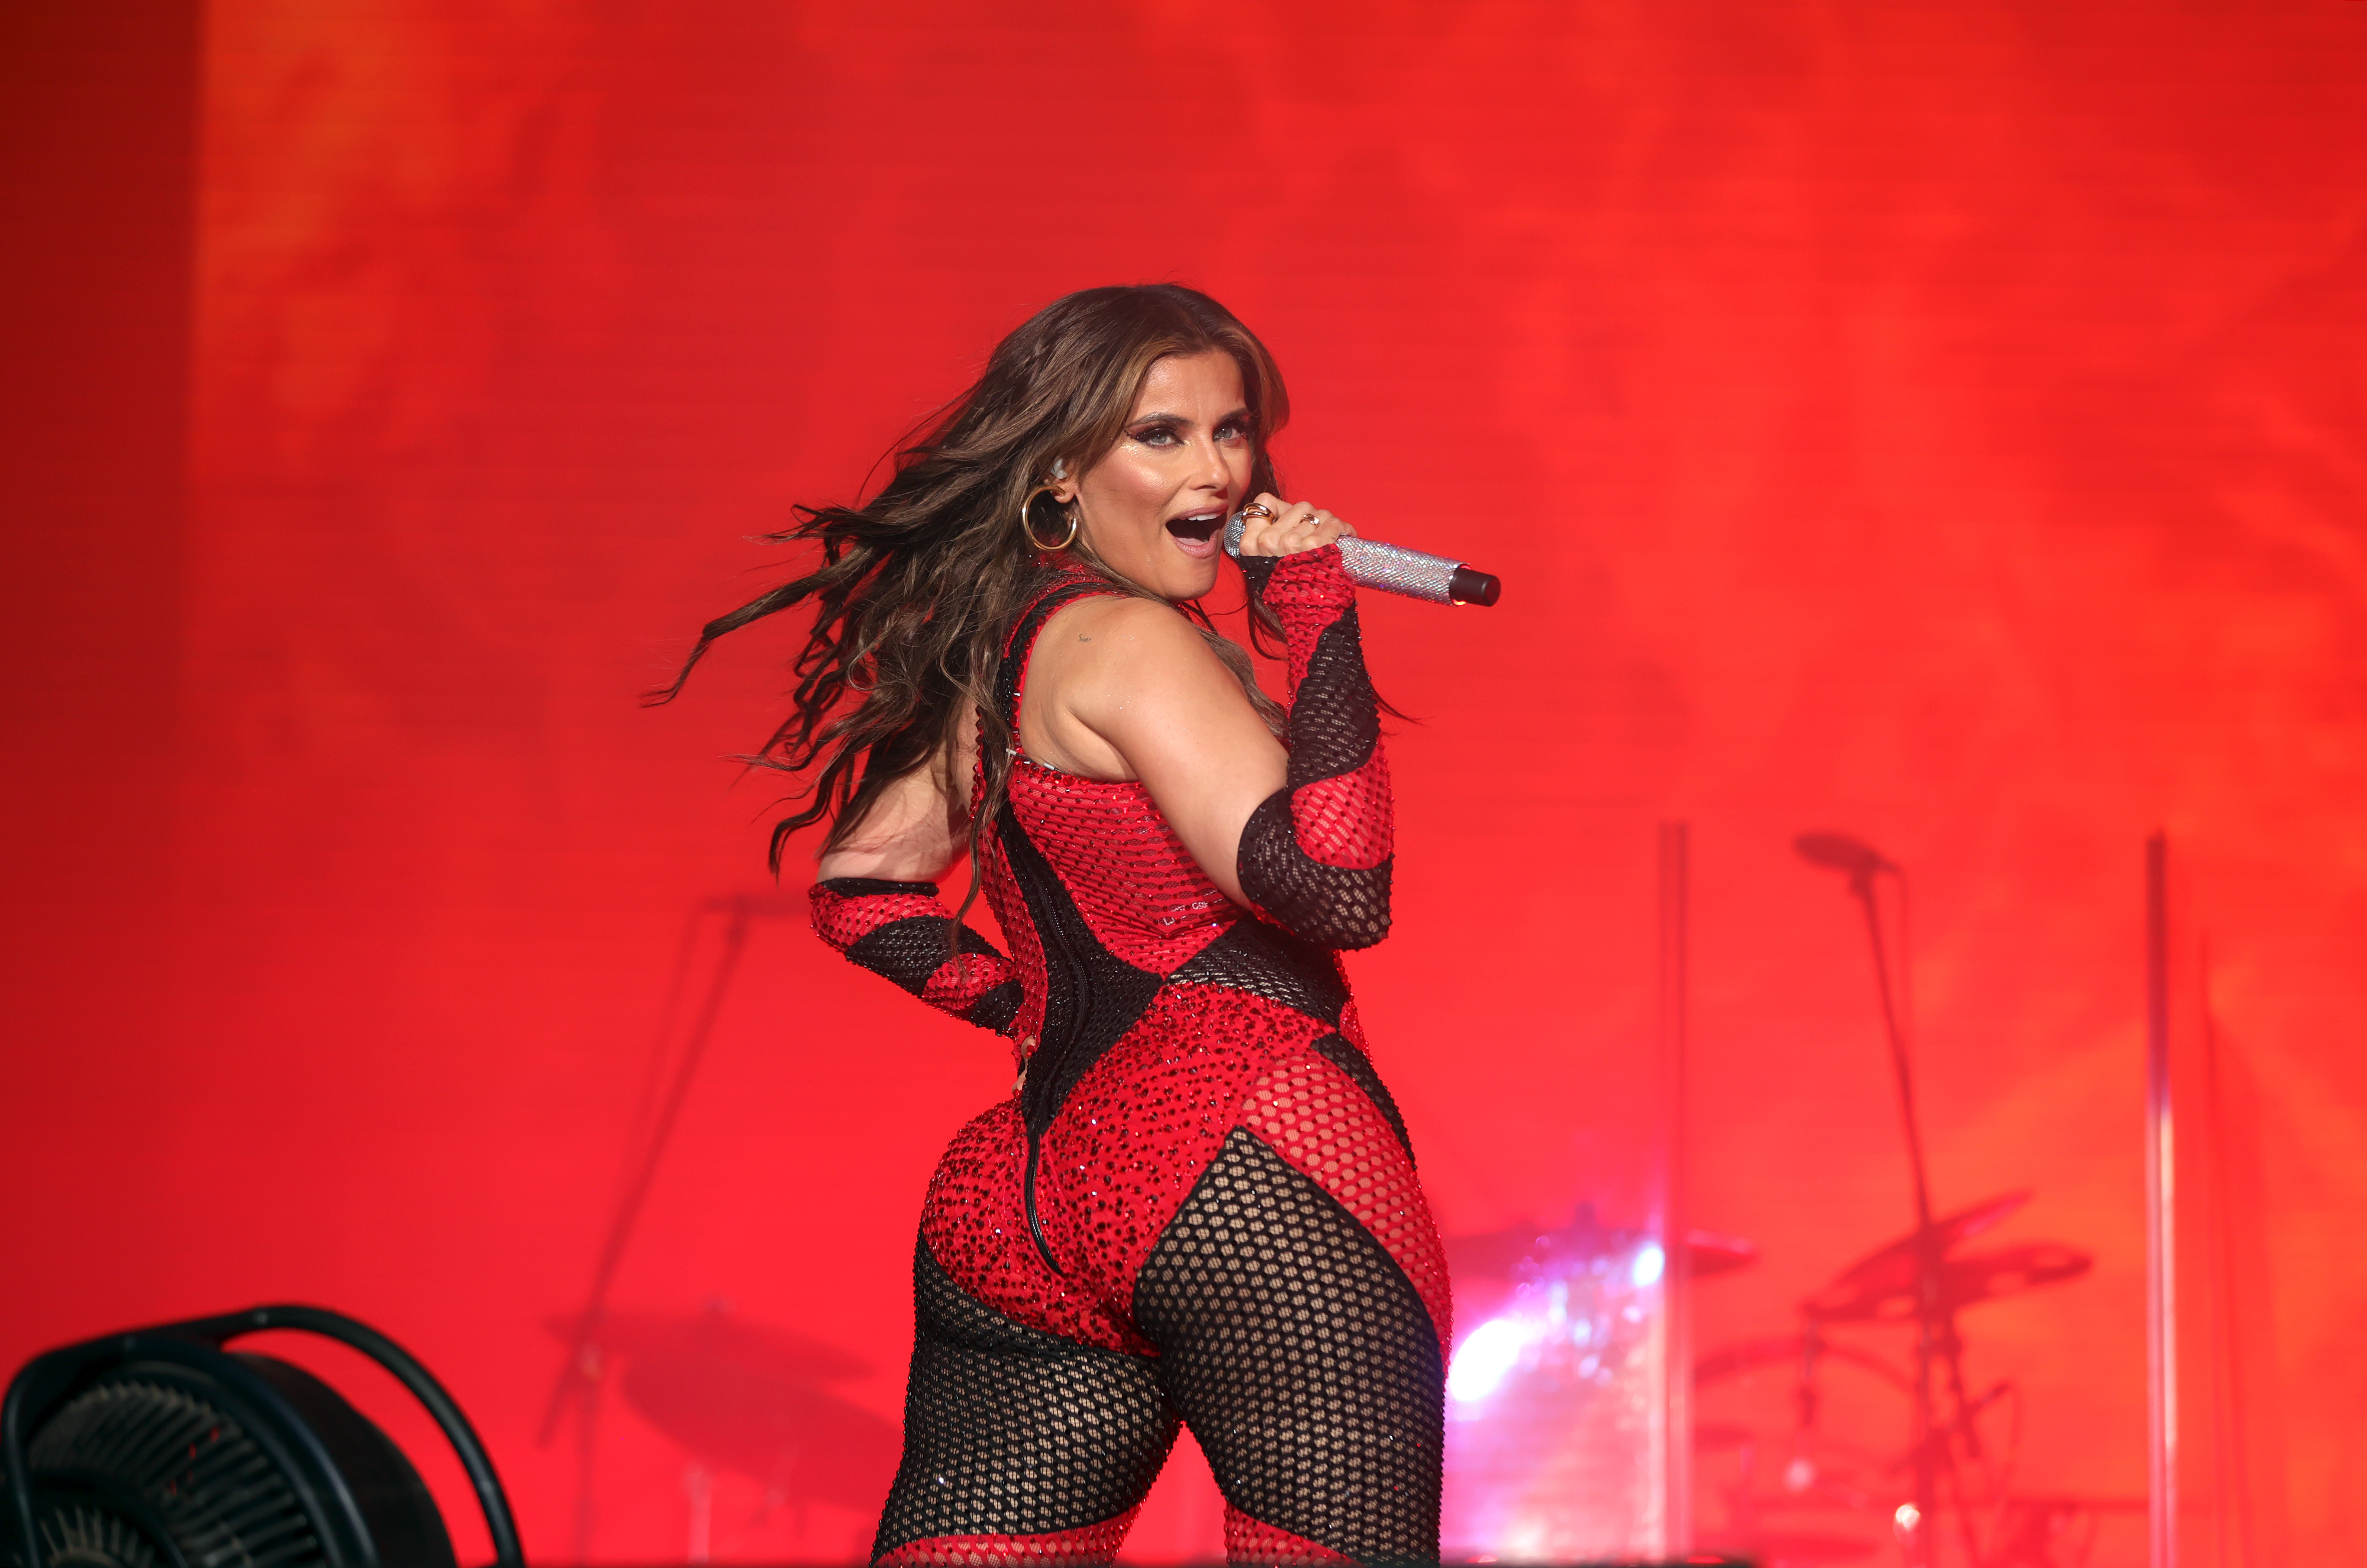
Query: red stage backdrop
(1939, 423)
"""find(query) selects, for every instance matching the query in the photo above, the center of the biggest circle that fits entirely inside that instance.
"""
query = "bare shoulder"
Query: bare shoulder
(1124, 641)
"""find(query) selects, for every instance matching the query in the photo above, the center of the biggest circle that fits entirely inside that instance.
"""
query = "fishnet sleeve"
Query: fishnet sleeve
(900, 930)
(1316, 854)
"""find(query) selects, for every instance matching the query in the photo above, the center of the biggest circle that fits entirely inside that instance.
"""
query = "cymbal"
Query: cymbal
(1883, 1296)
(1723, 1435)
(801, 1442)
(1501, 1254)
(1895, 1261)
(1785, 1350)
(747, 1397)
(715, 1338)
(1707, 1253)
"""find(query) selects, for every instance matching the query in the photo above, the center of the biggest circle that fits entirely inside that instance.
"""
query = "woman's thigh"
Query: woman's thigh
(1292, 1333)
(1012, 1433)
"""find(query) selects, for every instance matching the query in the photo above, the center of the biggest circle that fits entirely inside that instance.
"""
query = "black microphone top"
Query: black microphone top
(1842, 853)
(1469, 586)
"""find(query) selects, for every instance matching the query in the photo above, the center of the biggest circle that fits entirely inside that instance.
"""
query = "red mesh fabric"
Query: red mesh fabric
(843, 922)
(1093, 1544)
(1306, 592)
(1142, 1125)
(1137, 887)
(1140, 889)
(1000, 890)
(975, 1224)
(1349, 819)
(1252, 1540)
(1134, 1154)
(900, 931)
(1314, 1116)
(1315, 857)
(961, 980)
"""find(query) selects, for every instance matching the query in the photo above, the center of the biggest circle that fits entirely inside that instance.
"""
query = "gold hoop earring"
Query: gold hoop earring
(1027, 523)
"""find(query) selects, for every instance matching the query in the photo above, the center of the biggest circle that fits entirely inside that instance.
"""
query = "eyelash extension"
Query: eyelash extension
(1242, 431)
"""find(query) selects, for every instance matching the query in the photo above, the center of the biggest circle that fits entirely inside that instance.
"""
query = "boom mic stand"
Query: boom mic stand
(580, 1376)
(1938, 1348)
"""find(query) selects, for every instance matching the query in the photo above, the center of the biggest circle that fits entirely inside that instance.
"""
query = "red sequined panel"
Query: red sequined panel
(1253, 1541)
(1314, 1116)
(1348, 819)
(1061, 1549)
(1144, 1123)
(1024, 943)
(1352, 1026)
(1137, 887)
(975, 1222)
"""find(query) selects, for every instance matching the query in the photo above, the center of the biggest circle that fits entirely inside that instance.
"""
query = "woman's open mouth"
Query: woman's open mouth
(1195, 533)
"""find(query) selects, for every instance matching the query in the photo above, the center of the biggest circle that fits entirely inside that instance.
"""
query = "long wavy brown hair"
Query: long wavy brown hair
(919, 586)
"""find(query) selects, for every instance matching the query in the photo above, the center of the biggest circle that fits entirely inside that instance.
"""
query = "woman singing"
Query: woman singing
(1198, 1201)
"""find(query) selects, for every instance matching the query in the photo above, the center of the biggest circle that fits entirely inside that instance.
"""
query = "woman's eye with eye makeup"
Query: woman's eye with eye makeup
(1156, 436)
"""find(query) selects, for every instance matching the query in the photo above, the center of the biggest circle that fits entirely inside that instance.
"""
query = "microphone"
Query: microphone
(1393, 569)
(1842, 853)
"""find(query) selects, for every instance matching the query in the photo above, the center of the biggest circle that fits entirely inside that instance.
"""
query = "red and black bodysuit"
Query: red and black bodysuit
(1201, 1203)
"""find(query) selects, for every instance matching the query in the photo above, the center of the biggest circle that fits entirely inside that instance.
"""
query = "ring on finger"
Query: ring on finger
(1257, 509)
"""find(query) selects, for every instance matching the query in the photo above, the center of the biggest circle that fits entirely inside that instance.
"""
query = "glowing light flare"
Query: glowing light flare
(1481, 1362)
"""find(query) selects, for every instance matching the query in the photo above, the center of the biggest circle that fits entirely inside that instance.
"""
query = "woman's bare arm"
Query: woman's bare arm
(912, 832)
(1304, 834)
(876, 901)
(1127, 688)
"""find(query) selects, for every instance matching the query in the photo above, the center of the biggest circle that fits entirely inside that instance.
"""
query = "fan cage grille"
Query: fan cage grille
(224, 1502)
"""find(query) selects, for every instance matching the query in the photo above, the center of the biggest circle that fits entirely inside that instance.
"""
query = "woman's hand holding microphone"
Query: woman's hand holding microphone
(1273, 526)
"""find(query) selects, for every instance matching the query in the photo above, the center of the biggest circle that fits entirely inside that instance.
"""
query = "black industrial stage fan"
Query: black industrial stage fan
(159, 1449)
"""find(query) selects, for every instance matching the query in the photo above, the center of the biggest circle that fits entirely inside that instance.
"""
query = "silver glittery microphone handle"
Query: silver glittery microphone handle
(1393, 569)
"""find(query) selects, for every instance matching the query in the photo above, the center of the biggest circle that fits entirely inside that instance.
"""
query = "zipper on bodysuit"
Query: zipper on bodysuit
(1034, 1224)
(1027, 1184)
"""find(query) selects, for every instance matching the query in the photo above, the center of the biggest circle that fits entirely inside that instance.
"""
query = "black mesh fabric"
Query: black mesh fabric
(995, 1010)
(1091, 996)
(1009, 1430)
(1335, 719)
(870, 887)
(1341, 907)
(1255, 569)
(1302, 1357)
(1269, 961)
(908, 950)
(1335, 723)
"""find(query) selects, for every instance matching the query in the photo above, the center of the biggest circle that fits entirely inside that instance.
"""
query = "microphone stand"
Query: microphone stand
(582, 1374)
(1938, 1347)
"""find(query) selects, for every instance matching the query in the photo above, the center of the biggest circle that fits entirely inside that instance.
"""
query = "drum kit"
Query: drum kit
(1532, 1430)
(1946, 1495)
(1814, 1472)
(748, 1399)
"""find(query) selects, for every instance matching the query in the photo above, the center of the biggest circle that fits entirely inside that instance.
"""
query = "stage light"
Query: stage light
(1487, 1353)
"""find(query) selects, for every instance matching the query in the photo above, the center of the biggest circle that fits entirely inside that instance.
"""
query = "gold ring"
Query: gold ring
(1257, 509)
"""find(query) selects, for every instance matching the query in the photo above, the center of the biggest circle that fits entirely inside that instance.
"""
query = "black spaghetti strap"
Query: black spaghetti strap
(1009, 682)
